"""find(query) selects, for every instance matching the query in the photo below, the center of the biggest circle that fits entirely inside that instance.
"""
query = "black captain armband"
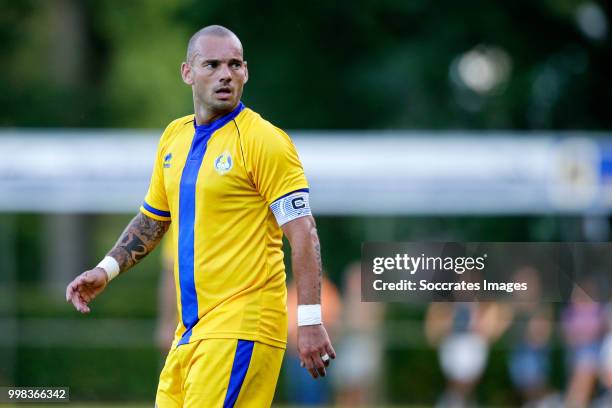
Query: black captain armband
(291, 206)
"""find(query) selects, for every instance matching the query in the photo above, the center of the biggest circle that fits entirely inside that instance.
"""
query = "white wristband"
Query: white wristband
(309, 315)
(110, 266)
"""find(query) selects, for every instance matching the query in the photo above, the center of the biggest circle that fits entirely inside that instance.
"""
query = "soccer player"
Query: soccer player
(227, 182)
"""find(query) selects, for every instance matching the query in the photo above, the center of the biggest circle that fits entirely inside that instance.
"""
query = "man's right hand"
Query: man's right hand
(85, 287)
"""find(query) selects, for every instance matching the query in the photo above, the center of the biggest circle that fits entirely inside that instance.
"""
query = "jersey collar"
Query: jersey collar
(219, 123)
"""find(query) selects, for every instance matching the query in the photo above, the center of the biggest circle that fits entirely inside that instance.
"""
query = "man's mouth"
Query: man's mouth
(224, 91)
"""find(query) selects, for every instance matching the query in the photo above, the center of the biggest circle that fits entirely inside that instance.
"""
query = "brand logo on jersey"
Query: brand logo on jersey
(167, 159)
(223, 163)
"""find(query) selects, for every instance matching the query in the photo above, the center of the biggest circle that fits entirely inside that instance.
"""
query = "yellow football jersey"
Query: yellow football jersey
(216, 182)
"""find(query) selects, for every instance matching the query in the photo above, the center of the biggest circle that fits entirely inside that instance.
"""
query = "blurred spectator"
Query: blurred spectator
(583, 324)
(529, 360)
(606, 361)
(463, 331)
(167, 317)
(302, 389)
(361, 345)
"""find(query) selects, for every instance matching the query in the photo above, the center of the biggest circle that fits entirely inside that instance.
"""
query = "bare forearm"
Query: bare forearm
(314, 346)
(138, 239)
(307, 266)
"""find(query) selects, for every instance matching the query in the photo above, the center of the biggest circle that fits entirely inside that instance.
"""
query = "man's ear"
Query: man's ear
(186, 73)
(246, 72)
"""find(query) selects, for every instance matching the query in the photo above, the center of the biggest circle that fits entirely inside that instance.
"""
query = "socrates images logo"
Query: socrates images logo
(223, 163)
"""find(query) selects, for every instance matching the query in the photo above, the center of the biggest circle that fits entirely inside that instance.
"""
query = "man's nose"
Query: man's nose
(225, 73)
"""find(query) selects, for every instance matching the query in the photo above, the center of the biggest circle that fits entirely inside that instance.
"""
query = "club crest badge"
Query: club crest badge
(223, 163)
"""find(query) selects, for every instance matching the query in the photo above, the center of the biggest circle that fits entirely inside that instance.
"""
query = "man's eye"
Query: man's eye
(236, 65)
(211, 65)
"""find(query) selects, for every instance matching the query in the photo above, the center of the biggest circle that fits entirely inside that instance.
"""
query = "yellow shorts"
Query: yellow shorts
(215, 373)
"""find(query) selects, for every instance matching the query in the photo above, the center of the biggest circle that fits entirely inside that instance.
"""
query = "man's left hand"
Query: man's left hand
(315, 349)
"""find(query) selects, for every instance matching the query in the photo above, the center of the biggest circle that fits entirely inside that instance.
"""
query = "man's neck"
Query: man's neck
(205, 116)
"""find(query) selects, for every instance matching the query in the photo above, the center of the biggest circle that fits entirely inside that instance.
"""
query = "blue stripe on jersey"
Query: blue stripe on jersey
(187, 206)
(242, 359)
(189, 299)
(155, 210)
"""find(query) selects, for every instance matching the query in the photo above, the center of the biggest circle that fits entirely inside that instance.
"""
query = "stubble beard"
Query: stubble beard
(215, 106)
(218, 107)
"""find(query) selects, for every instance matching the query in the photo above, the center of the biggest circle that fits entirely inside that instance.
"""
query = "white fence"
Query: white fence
(446, 173)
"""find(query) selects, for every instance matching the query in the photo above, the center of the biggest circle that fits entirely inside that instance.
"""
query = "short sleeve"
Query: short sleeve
(275, 165)
(155, 204)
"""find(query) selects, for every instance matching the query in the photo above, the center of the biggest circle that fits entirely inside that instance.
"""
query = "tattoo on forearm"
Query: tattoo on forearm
(134, 246)
(320, 266)
(137, 240)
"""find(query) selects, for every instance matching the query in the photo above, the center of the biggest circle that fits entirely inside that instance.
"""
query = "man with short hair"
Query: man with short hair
(226, 181)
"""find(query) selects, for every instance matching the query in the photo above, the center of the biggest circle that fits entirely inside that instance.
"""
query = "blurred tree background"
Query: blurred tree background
(314, 65)
(317, 65)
